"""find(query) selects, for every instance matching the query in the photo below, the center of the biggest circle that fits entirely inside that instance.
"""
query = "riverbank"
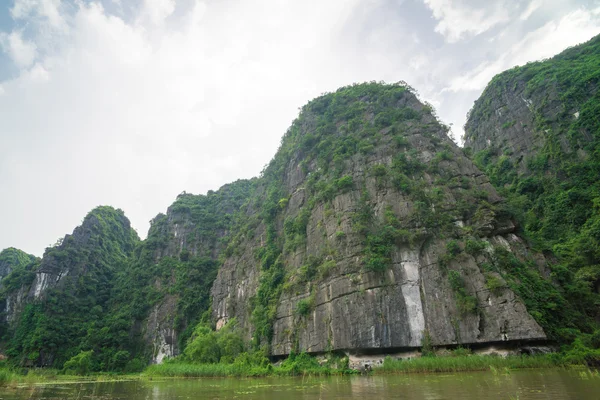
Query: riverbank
(22, 377)
(467, 363)
(415, 365)
(299, 365)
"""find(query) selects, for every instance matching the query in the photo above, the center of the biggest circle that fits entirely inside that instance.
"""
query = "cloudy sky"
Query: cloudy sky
(130, 102)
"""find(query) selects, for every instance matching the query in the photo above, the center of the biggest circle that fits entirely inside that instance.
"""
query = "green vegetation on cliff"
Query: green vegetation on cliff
(101, 300)
(71, 289)
(16, 271)
(364, 178)
(175, 267)
(16, 268)
(88, 299)
(553, 185)
(341, 126)
(12, 258)
(331, 133)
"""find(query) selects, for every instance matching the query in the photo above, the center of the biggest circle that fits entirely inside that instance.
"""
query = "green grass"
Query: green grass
(465, 363)
(299, 365)
(6, 376)
(306, 365)
(188, 370)
(12, 378)
(295, 365)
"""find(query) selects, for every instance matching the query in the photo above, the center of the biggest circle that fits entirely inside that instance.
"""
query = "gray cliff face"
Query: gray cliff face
(86, 239)
(159, 333)
(56, 265)
(355, 309)
(508, 123)
(179, 230)
(14, 303)
(70, 285)
(12, 259)
(194, 227)
(534, 131)
(540, 105)
(8, 261)
(236, 283)
(51, 271)
(5, 269)
(395, 310)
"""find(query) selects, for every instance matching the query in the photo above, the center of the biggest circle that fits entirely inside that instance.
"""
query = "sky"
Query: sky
(130, 102)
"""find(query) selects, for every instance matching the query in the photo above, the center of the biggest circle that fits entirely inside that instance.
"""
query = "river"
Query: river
(513, 385)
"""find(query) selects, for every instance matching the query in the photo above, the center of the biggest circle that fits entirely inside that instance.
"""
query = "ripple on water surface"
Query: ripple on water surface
(521, 385)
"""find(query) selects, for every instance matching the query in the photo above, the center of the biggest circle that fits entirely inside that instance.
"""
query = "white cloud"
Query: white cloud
(131, 107)
(457, 20)
(46, 9)
(548, 40)
(131, 113)
(22, 52)
(418, 62)
(157, 10)
(531, 8)
(37, 74)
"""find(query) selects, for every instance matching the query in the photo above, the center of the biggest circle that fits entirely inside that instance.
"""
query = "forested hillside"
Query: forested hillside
(165, 288)
(54, 306)
(101, 293)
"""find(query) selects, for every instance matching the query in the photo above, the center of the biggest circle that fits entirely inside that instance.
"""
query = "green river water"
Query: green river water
(522, 385)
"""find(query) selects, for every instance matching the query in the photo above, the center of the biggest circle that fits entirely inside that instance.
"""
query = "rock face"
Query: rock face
(370, 232)
(100, 288)
(14, 290)
(542, 105)
(159, 334)
(183, 246)
(397, 309)
(534, 132)
(383, 233)
(75, 274)
(87, 239)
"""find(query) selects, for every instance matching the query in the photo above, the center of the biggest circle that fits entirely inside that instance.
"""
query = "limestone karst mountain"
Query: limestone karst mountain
(535, 131)
(51, 305)
(370, 231)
